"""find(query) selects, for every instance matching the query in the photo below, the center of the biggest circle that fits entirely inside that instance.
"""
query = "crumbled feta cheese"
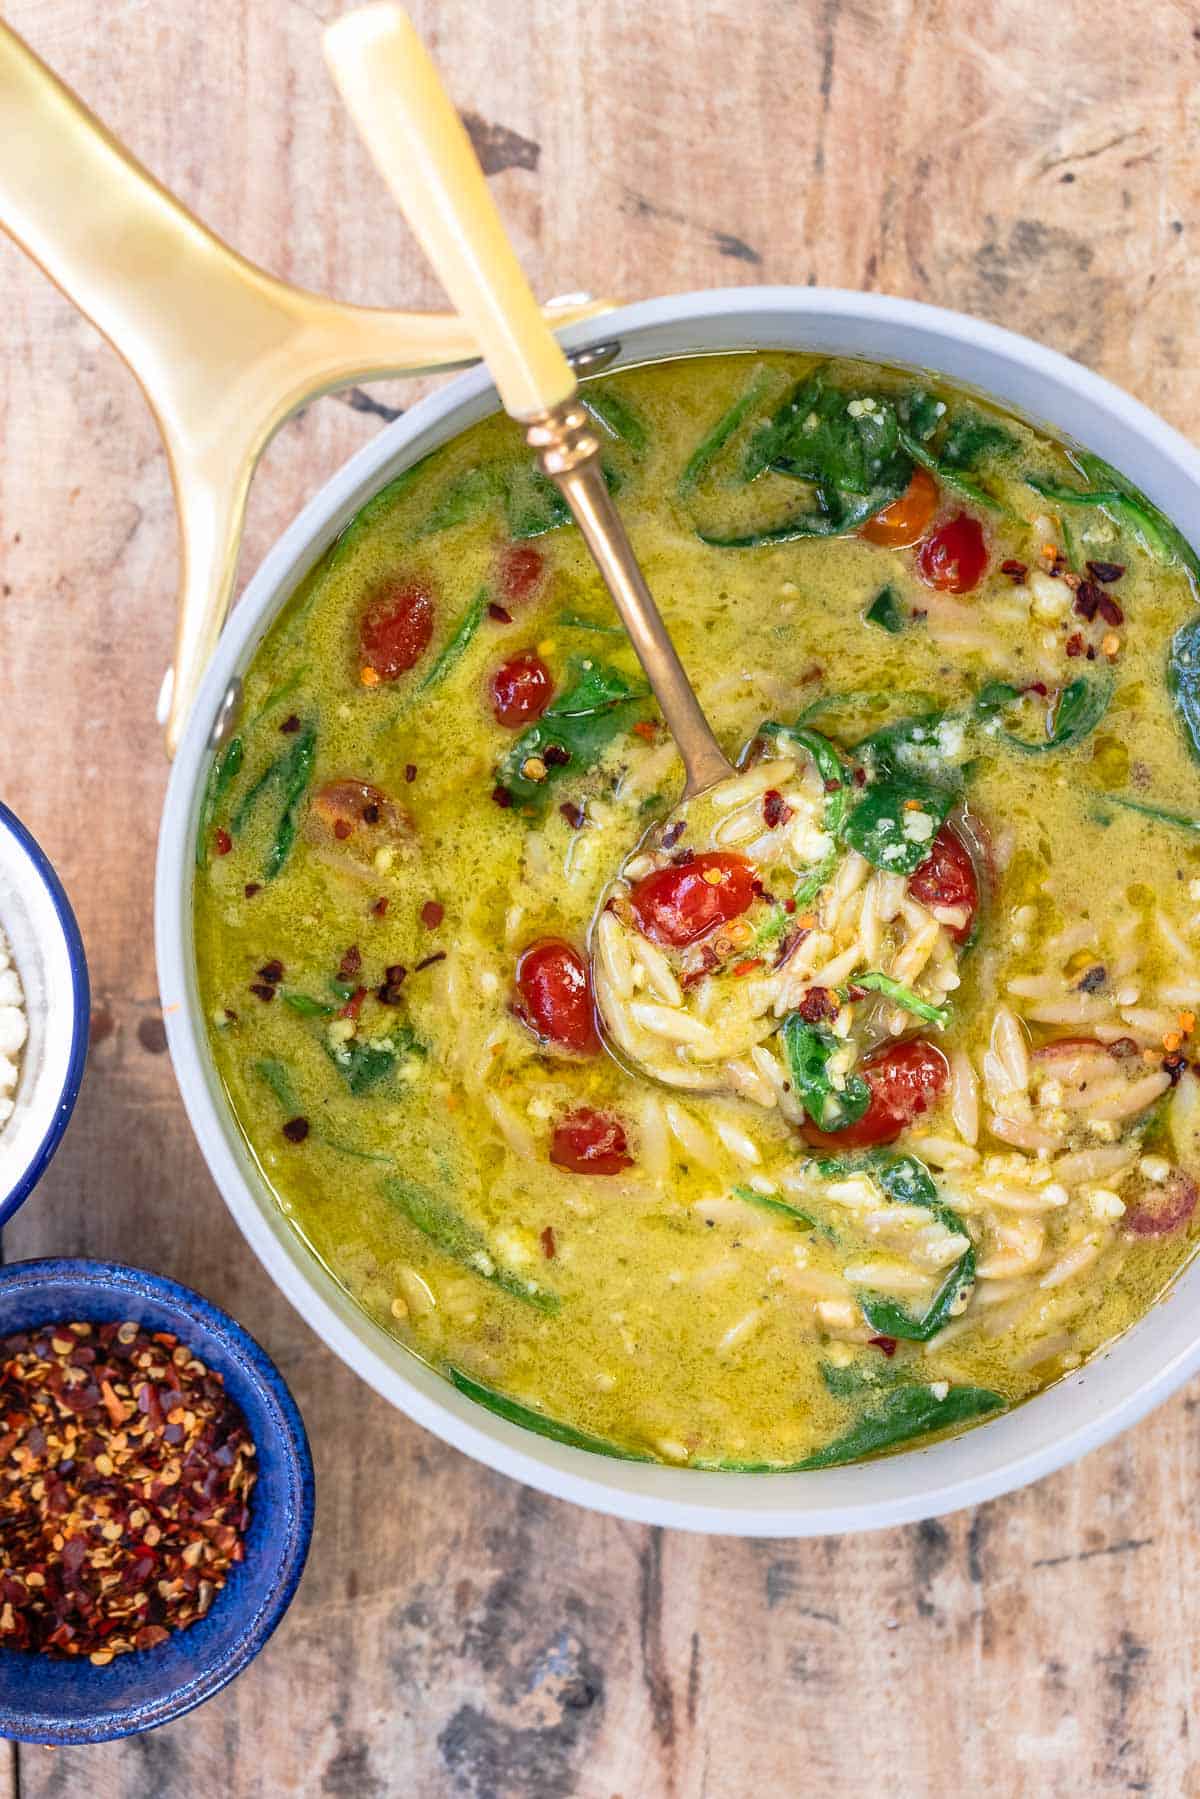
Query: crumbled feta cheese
(13, 1030)
(918, 826)
(939, 1388)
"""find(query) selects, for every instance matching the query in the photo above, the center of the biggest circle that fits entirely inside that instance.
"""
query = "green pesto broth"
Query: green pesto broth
(951, 625)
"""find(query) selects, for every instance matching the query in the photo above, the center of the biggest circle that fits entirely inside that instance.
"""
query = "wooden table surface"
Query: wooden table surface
(1036, 164)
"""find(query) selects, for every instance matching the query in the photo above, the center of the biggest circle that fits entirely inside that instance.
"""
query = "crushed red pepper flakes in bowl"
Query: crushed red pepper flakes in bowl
(125, 1480)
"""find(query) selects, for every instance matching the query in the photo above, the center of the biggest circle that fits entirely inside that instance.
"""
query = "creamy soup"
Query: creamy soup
(850, 1104)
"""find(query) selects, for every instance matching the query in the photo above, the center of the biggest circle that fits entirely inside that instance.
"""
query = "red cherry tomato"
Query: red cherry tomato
(1163, 1207)
(947, 878)
(590, 1142)
(521, 691)
(953, 557)
(521, 568)
(906, 520)
(395, 630)
(554, 996)
(905, 1079)
(679, 904)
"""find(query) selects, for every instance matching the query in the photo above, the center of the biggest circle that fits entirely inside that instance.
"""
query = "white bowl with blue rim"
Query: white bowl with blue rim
(47, 951)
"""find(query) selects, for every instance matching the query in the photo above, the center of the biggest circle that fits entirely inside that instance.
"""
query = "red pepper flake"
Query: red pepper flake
(1174, 1065)
(394, 977)
(271, 972)
(296, 1130)
(776, 810)
(818, 1003)
(1123, 1048)
(672, 834)
(438, 956)
(379, 906)
(549, 1247)
(646, 730)
(251, 888)
(432, 914)
(370, 813)
(502, 798)
(410, 772)
(1107, 572)
(501, 615)
(222, 841)
(1088, 599)
(556, 755)
(262, 991)
(350, 965)
(681, 858)
(354, 1004)
(747, 967)
(342, 829)
(1074, 645)
(1091, 652)
(125, 1483)
(291, 723)
(789, 905)
(573, 814)
(886, 1344)
(1016, 571)
(1109, 611)
(860, 780)
(1038, 687)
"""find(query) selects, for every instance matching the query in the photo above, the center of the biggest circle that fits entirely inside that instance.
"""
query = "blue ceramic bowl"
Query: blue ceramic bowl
(36, 917)
(50, 1701)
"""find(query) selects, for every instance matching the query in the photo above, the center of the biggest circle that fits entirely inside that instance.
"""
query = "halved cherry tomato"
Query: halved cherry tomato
(395, 630)
(947, 878)
(521, 568)
(1163, 1206)
(681, 903)
(953, 557)
(906, 520)
(905, 1080)
(590, 1142)
(521, 691)
(554, 996)
(356, 815)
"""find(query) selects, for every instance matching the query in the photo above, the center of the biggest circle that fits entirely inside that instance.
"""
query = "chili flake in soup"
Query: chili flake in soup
(862, 1105)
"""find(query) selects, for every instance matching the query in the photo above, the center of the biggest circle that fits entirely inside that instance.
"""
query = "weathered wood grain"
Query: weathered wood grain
(455, 1634)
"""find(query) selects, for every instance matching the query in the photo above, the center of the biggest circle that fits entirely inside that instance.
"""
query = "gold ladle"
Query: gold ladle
(396, 98)
(223, 351)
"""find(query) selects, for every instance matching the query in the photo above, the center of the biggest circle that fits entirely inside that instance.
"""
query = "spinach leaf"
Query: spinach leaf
(1127, 505)
(920, 412)
(907, 1412)
(970, 437)
(880, 825)
(616, 416)
(1077, 711)
(455, 647)
(828, 763)
(949, 476)
(862, 1376)
(809, 1048)
(529, 1419)
(1183, 680)
(450, 1232)
(846, 446)
(225, 768)
(711, 445)
(368, 515)
(1160, 814)
(294, 778)
(275, 1075)
(595, 707)
(362, 1065)
(904, 997)
(534, 506)
(932, 746)
(468, 494)
(885, 611)
(770, 1202)
(306, 1005)
(907, 1181)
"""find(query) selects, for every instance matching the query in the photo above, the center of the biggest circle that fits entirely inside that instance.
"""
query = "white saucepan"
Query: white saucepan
(1091, 1405)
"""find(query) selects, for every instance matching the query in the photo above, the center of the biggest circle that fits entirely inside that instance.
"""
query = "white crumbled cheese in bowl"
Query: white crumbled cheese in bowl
(13, 1030)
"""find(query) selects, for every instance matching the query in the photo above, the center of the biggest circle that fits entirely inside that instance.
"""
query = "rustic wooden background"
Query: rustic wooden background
(455, 1634)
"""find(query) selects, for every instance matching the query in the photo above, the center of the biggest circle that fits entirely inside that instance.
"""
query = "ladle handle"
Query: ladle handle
(395, 96)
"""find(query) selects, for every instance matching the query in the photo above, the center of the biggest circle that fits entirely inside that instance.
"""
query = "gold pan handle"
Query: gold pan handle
(223, 351)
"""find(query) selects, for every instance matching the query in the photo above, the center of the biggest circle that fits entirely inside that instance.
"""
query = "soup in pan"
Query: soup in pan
(847, 1105)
